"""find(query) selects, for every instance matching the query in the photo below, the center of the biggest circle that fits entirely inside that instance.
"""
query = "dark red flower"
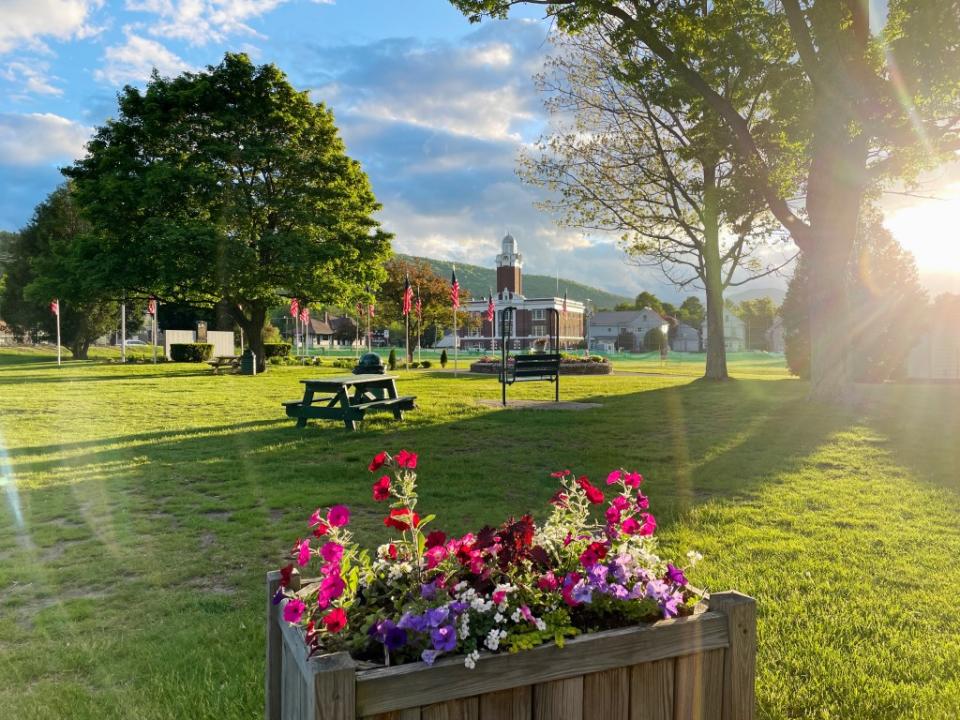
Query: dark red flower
(594, 494)
(400, 519)
(406, 459)
(379, 460)
(381, 489)
(335, 620)
(437, 537)
(392, 551)
(285, 573)
(594, 553)
(559, 498)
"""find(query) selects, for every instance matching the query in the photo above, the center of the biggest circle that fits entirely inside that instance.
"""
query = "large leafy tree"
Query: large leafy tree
(228, 186)
(887, 304)
(42, 264)
(857, 104)
(632, 154)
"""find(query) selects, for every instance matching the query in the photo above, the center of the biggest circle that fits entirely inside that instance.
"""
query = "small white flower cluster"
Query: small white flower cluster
(400, 570)
(694, 557)
(493, 638)
(470, 661)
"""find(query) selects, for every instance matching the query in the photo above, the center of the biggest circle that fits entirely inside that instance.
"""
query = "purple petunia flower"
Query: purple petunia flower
(618, 591)
(582, 593)
(390, 634)
(429, 656)
(435, 616)
(444, 638)
(408, 621)
(675, 575)
(428, 591)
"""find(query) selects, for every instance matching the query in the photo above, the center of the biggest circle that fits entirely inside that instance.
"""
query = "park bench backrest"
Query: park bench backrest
(539, 365)
(536, 366)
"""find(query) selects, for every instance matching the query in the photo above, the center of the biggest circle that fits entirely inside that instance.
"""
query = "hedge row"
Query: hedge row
(190, 352)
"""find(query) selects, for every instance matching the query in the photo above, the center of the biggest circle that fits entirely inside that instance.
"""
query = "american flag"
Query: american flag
(359, 309)
(370, 310)
(491, 312)
(152, 306)
(419, 308)
(55, 306)
(407, 295)
(305, 314)
(564, 303)
(454, 290)
(294, 308)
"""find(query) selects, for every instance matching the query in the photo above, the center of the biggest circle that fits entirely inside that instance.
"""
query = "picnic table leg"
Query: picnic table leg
(307, 402)
(392, 394)
(345, 404)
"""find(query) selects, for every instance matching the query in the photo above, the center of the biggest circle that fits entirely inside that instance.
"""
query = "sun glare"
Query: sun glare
(930, 229)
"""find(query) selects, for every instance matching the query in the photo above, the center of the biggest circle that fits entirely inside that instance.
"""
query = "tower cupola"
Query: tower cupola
(509, 266)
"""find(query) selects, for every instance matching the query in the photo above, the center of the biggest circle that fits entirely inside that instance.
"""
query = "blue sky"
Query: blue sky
(435, 109)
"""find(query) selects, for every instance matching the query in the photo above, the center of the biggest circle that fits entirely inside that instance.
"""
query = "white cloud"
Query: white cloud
(32, 78)
(28, 22)
(202, 21)
(135, 60)
(40, 139)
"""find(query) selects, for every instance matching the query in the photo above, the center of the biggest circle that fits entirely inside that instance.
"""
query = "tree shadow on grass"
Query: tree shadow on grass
(53, 378)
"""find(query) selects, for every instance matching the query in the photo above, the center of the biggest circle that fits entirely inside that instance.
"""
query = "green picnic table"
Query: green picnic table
(348, 398)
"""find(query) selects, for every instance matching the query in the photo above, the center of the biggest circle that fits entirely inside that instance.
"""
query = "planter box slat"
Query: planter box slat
(607, 694)
(695, 668)
(651, 690)
(513, 704)
(559, 700)
(415, 684)
(698, 686)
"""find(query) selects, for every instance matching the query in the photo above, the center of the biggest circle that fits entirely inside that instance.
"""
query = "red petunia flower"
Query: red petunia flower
(406, 459)
(437, 537)
(381, 489)
(594, 553)
(379, 460)
(392, 551)
(285, 573)
(400, 519)
(594, 494)
(335, 620)
(560, 473)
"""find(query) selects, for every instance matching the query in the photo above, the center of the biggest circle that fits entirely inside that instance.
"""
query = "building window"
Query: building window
(539, 314)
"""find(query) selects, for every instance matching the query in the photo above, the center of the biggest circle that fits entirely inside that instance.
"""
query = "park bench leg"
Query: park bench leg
(397, 414)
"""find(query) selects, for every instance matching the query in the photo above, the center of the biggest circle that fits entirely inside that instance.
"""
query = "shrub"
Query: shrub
(654, 340)
(275, 361)
(392, 359)
(318, 361)
(443, 359)
(414, 365)
(276, 349)
(425, 364)
(190, 352)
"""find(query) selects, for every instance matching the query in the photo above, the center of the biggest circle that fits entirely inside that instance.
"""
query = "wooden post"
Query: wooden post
(273, 689)
(740, 659)
(335, 687)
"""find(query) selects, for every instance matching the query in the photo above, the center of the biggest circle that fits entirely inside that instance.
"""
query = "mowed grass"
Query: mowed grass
(143, 504)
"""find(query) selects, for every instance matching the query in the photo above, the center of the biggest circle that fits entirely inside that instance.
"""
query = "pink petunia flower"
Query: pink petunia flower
(338, 516)
(614, 477)
(293, 610)
(381, 489)
(379, 460)
(406, 459)
(335, 620)
(560, 473)
(613, 515)
(630, 526)
(649, 524)
(332, 552)
(633, 479)
(303, 554)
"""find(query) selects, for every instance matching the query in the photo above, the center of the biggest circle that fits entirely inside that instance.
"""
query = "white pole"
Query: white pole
(456, 344)
(123, 329)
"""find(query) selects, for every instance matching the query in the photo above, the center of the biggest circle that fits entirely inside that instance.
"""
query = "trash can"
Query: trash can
(370, 364)
(248, 363)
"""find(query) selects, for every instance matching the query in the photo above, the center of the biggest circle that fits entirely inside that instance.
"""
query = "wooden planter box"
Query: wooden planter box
(694, 668)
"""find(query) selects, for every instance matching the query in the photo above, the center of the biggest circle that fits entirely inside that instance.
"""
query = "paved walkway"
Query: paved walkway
(538, 405)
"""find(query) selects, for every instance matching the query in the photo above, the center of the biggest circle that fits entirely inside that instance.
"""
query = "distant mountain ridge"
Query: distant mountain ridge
(479, 280)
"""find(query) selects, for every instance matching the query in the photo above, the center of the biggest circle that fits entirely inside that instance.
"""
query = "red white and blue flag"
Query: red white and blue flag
(454, 290)
(152, 306)
(294, 308)
(419, 309)
(305, 313)
(55, 307)
(407, 296)
(491, 312)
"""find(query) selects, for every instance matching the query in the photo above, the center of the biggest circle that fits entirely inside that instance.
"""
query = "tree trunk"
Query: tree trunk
(713, 279)
(80, 349)
(253, 318)
(834, 195)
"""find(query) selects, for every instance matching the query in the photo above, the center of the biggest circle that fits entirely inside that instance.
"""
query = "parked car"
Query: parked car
(135, 341)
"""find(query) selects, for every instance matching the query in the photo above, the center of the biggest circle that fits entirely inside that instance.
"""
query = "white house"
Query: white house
(734, 332)
(608, 327)
(936, 355)
(775, 338)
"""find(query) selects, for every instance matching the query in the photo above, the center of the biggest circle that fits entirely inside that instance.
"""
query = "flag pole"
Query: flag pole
(156, 311)
(58, 334)
(123, 329)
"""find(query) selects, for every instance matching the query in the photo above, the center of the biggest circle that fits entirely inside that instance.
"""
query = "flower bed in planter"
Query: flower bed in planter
(421, 630)
(569, 365)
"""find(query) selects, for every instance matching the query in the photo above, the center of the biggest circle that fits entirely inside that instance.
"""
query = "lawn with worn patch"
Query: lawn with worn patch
(143, 505)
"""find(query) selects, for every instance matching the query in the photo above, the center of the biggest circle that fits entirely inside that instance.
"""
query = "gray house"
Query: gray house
(685, 339)
(734, 332)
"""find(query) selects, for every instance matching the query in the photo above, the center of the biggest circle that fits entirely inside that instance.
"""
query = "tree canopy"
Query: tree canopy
(849, 104)
(228, 185)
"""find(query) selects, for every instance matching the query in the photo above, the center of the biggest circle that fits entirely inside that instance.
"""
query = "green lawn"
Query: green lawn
(143, 505)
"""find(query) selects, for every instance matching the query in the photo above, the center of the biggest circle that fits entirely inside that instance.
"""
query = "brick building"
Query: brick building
(532, 316)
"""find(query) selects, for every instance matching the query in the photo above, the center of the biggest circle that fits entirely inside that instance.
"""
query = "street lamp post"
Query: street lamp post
(586, 322)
